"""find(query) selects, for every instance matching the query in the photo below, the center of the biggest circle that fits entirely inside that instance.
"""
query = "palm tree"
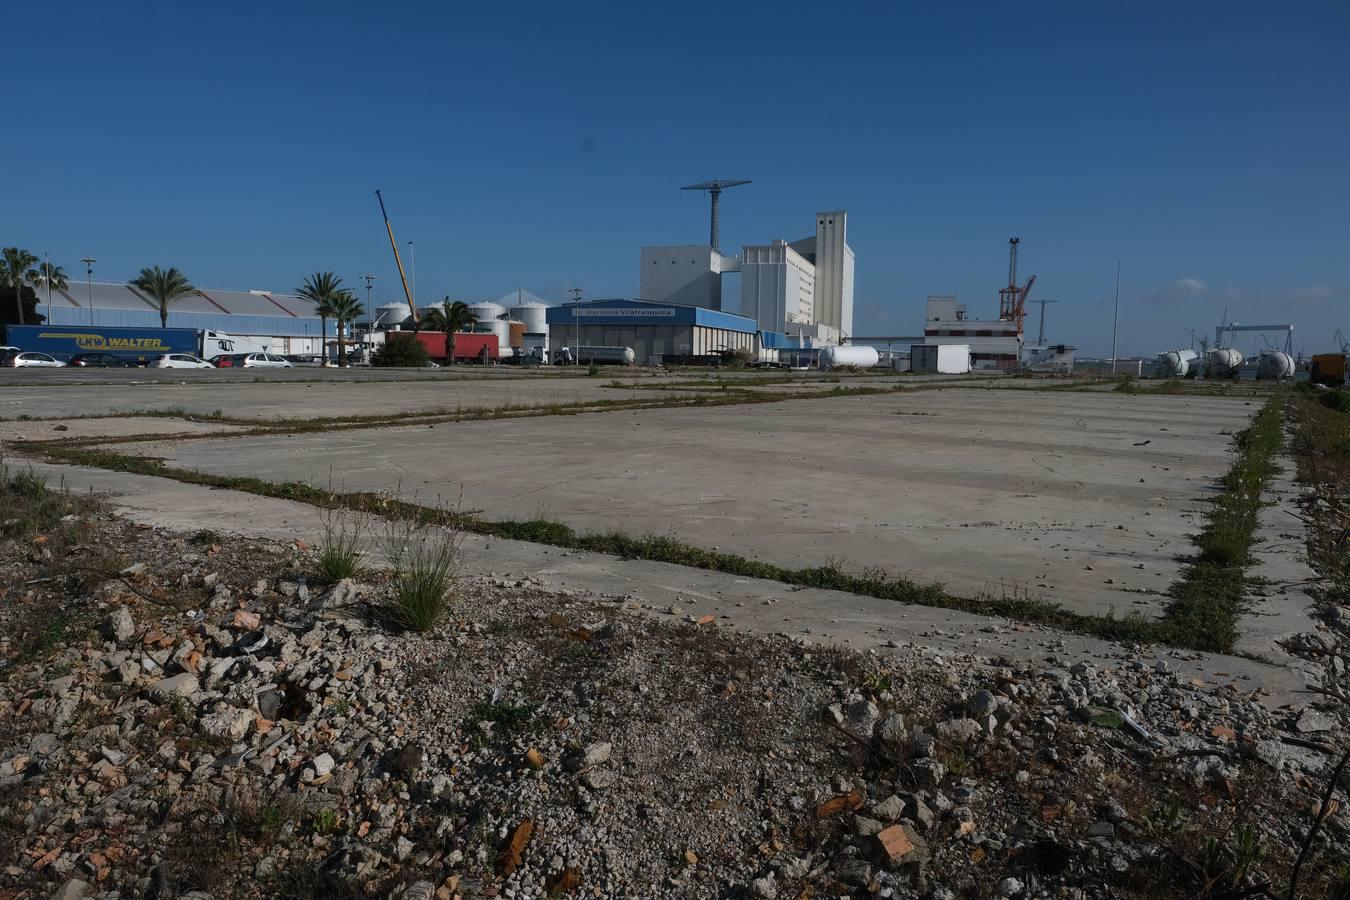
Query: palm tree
(320, 289)
(51, 276)
(16, 268)
(453, 316)
(345, 308)
(164, 286)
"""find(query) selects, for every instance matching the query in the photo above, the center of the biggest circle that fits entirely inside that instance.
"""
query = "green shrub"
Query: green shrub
(401, 351)
(1337, 400)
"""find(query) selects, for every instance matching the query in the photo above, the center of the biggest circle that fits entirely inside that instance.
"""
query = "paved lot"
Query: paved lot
(1082, 498)
(245, 399)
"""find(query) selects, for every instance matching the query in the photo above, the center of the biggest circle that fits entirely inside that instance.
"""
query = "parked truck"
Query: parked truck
(139, 345)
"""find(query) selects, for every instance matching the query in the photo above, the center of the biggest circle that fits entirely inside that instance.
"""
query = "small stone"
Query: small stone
(923, 815)
(1313, 721)
(863, 717)
(958, 731)
(119, 626)
(592, 755)
(865, 826)
(245, 620)
(982, 705)
(891, 730)
(180, 685)
(1102, 829)
(323, 764)
(898, 843)
(534, 758)
(231, 723)
(890, 809)
(74, 889)
(765, 887)
(1010, 887)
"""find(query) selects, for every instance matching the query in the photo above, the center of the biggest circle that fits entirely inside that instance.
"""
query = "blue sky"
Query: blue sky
(1204, 145)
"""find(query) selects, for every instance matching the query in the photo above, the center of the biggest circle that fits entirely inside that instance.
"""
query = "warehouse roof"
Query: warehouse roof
(115, 295)
(646, 312)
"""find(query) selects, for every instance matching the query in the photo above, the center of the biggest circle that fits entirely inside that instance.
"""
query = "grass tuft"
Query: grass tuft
(345, 542)
(426, 565)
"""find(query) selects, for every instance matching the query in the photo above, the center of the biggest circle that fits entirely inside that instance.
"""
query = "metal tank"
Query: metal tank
(1273, 365)
(390, 315)
(534, 315)
(1223, 362)
(853, 355)
(1177, 363)
(492, 317)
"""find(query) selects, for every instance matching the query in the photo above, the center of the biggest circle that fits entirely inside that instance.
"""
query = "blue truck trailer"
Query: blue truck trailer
(140, 345)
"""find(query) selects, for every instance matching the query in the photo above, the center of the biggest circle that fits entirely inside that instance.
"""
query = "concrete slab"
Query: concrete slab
(752, 605)
(265, 401)
(1082, 498)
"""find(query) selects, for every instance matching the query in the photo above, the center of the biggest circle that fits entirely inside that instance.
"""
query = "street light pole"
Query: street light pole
(576, 317)
(89, 281)
(369, 280)
(1115, 321)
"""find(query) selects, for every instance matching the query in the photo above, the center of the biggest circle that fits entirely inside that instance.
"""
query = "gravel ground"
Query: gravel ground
(196, 715)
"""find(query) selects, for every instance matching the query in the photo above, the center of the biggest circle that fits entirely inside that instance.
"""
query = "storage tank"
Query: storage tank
(390, 315)
(1177, 363)
(1223, 362)
(854, 355)
(1274, 365)
(534, 315)
(491, 317)
(517, 332)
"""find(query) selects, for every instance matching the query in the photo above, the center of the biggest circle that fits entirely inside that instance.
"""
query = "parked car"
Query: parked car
(305, 359)
(179, 361)
(100, 361)
(252, 361)
(31, 358)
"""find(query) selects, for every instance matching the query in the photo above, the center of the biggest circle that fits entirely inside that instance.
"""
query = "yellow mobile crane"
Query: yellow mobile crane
(397, 260)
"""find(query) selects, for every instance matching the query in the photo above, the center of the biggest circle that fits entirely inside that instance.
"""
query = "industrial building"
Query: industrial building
(994, 343)
(801, 288)
(281, 323)
(659, 333)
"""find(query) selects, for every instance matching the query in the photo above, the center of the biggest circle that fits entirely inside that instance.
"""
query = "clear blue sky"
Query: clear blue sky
(1206, 145)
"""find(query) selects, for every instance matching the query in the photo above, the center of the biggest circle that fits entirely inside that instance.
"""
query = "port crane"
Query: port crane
(715, 189)
(388, 226)
(1012, 300)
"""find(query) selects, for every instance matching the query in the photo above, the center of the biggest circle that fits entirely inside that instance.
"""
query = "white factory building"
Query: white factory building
(801, 288)
(994, 343)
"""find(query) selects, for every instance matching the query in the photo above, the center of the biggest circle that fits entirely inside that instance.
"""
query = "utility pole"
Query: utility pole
(576, 316)
(89, 281)
(1115, 321)
(1040, 340)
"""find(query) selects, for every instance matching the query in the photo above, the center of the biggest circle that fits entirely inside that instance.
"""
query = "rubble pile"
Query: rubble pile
(217, 723)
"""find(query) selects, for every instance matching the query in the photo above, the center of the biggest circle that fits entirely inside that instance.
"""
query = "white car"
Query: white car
(252, 361)
(180, 361)
(31, 358)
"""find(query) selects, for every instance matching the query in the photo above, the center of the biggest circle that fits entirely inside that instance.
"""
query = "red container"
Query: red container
(468, 347)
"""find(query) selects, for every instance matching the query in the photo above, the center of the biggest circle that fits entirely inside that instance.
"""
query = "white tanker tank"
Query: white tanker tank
(1223, 362)
(849, 355)
(1273, 365)
(1177, 363)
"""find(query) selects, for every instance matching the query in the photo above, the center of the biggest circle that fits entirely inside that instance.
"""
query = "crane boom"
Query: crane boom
(397, 260)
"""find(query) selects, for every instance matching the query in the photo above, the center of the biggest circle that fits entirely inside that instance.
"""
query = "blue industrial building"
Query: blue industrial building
(282, 322)
(657, 332)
